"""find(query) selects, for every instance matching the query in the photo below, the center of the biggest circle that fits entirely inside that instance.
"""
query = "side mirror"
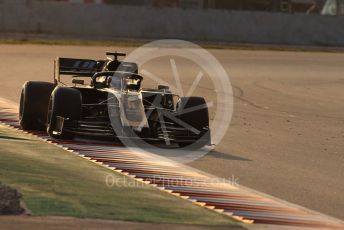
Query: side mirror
(78, 81)
(163, 87)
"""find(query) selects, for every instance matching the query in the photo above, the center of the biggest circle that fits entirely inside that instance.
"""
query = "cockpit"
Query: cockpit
(117, 80)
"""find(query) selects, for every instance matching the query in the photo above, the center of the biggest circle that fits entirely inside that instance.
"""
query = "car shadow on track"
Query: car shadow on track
(225, 156)
(13, 138)
(172, 152)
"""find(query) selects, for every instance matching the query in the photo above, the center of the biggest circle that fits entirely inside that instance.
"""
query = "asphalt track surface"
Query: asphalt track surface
(286, 137)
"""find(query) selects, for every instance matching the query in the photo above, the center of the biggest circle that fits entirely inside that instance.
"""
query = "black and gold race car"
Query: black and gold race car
(105, 99)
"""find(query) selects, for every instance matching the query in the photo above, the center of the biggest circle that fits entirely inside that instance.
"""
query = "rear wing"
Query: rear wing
(75, 67)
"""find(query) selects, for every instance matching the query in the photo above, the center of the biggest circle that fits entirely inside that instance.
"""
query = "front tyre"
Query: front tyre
(66, 103)
(194, 112)
(34, 102)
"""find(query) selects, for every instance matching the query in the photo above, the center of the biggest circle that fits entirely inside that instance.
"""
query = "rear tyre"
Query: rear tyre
(66, 103)
(34, 102)
(198, 119)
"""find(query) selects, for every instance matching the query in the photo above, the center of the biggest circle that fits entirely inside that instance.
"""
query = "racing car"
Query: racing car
(105, 99)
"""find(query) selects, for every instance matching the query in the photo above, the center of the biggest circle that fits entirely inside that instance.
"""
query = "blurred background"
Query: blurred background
(325, 7)
(277, 22)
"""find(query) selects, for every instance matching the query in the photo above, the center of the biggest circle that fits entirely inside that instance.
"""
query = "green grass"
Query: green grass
(59, 183)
